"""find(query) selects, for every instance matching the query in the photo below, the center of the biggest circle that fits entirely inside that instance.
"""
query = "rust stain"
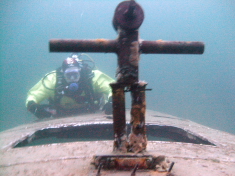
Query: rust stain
(134, 56)
(101, 40)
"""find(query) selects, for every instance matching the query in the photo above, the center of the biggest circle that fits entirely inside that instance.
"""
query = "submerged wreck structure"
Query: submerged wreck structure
(144, 142)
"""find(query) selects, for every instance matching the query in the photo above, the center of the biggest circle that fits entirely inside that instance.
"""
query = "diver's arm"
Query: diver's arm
(101, 83)
(42, 90)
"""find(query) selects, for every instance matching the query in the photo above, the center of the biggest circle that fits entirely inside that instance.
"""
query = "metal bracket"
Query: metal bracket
(132, 162)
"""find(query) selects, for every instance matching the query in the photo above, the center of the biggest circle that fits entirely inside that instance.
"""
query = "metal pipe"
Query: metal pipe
(119, 117)
(96, 45)
(171, 47)
(137, 137)
(171, 166)
(134, 170)
(128, 57)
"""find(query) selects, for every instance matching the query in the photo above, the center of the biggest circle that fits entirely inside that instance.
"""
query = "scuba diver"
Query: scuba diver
(72, 89)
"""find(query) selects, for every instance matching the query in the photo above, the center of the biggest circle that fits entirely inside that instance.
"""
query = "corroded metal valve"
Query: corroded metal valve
(128, 15)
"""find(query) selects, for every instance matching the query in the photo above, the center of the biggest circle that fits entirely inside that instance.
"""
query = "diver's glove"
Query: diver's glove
(41, 111)
(108, 107)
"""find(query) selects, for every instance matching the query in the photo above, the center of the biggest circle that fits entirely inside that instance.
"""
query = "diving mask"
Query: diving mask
(72, 74)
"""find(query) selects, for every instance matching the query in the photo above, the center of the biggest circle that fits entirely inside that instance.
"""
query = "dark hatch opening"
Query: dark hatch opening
(100, 132)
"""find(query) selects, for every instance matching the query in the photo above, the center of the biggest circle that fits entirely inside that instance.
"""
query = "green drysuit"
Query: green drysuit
(39, 92)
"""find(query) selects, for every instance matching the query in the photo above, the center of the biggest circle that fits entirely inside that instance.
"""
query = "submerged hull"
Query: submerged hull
(201, 151)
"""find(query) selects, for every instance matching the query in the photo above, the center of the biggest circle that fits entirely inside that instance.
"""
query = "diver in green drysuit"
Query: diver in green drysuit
(72, 89)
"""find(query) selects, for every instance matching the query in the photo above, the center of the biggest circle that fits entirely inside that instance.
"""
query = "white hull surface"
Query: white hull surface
(214, 158)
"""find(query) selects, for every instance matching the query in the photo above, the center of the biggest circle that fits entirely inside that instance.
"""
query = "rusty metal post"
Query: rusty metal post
(137, 137)
(128, 57)
(127, 19)
(119, 117)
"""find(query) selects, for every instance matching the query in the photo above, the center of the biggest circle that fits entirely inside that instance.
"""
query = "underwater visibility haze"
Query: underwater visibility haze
(200, 88)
